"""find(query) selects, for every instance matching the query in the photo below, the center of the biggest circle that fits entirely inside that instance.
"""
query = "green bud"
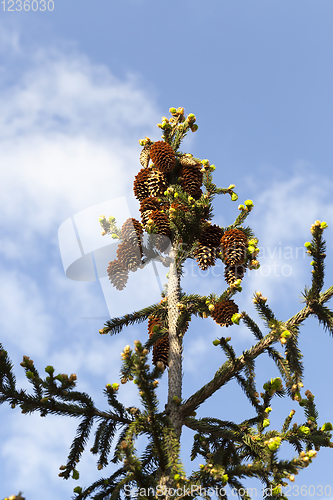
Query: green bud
(276, 384)
(307, 244)
(115, 386)
(155, 328)
(266, 386)
(78, 489)
(304, 430)
(286, 334)
(250, 249)
(176, 477)
(276, 491)
(112, 219)
(30, 375)
(114, 236)
(194, 127)
(312, 263)
(76, 474)
(268, 409)
(232, 186)
(172, 111)
(225, 478)
(212, 167)
(235, 318)
(249, 203)
(266, 422)
(49, 369)
(323, 225)
(327, 427)
(274, 443)
(234, 197)
(216, 342)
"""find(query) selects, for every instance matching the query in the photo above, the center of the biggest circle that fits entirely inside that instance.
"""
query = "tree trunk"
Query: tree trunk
(175, 347)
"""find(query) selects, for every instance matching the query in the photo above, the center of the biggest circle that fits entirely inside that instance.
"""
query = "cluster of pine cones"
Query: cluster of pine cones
(150, 185)
(129, 254)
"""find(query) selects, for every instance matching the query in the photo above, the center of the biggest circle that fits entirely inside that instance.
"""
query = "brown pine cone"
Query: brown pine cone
(161, 348)
(157, 183)
(118, 275)
(147, 206)
(141, 186)
(223, 312)
(234, 246)
(233, 273)
(205, 256)
(211, 236)
(131, 231)
(129, 255)
(187, 161)
(162, 238)
(163, 156)
(144, 155)
(190, 179)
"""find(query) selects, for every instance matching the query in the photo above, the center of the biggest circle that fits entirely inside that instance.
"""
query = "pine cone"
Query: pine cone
(223, 312)
(144, 155)
(118, 275)
(157, 183)
(205, 256)
(233, 273)
(131, 231)
(141, 186)
(211, 236)
(190, 179)
(234, 245)
(163, 156)
(162, 238)
(129, 255)
(161, 348)
(147, 206)
(187, 161)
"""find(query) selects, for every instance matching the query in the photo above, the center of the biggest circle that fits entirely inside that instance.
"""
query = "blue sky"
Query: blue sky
(78, 87)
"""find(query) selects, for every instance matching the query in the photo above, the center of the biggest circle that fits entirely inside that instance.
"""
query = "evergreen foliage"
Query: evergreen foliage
(231, 452)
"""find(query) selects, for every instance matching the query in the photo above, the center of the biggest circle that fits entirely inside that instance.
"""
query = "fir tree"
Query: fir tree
(176, 193)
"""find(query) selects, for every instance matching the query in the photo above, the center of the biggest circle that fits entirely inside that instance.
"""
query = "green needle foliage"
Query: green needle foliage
(176, 215)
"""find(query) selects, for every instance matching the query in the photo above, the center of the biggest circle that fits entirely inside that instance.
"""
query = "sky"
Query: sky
(80, 84)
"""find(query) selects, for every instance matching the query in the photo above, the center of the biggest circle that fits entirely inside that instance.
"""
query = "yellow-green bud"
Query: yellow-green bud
(241, 207)
(323, 225)
(304, 430)
(307, 244)
(173, 111)
(234, 197)
(75, 474)
(176, 477)
(232, 186)
(249, 203)
(266, 422)
(216, 342)
(327, 427)
(194, 127)
(235, 318)
(211, 307)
